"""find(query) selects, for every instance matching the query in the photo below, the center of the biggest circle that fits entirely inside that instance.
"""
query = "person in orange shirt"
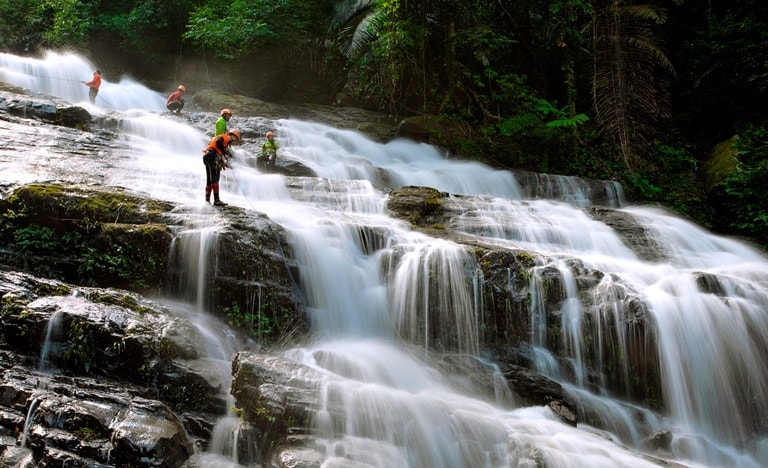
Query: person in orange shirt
(215, 159)
(94, 86)
(175, 101)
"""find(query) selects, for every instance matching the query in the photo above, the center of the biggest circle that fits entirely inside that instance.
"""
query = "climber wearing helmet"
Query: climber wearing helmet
(268, 154)
(221, 124)
(215, 159)
(175, 101)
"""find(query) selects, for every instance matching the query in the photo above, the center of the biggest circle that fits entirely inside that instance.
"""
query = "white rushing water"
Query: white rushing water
(400, 410)
(62, 75)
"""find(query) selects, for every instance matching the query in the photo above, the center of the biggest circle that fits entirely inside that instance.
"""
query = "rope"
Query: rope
(60, 78)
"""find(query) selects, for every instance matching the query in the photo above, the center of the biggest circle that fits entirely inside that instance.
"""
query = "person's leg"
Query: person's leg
(215, 175)
(174, 106)
(216, 200)
(210, 168)
(92, 92)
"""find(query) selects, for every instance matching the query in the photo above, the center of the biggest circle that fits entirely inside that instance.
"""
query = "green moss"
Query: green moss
(80, 349)
(122, 300)
(434, 200)
(720, 164)
(45, 289)
(10, 305)
(524, 257)
(89, 206)
(86, 434)
(86, 236)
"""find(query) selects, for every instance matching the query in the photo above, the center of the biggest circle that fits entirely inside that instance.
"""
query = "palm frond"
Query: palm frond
(357, 25)
(646, 13)
(345, 10)
(366, 31)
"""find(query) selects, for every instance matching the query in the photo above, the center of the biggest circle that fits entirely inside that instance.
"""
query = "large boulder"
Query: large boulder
(277, 399)
(99, 376)
(90, 236)
(20, 102)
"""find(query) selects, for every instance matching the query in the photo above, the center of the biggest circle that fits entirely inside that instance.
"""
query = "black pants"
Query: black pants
(265, 160)
(175, 106)
(212, 171)
(92, 92)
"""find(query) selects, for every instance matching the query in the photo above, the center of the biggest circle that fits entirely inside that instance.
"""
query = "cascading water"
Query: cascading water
(367, 296)
(62, 74)
(52, 341)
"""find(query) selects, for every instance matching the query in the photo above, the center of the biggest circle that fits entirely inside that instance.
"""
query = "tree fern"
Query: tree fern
(630, 75)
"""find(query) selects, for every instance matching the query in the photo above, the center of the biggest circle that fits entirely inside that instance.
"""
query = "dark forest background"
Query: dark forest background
(666, 96)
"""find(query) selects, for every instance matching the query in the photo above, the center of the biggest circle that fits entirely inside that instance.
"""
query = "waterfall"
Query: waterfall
(709, 311)
(62, 75)
(28, 420)
(382, 298)
(51, 342)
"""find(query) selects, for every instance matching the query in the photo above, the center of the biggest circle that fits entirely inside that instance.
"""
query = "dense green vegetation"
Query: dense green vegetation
(85, 237)
(636, 91)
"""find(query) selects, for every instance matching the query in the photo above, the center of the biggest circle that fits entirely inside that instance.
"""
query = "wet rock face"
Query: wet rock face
(16, 101)
(93, 376)
(83, 421)
(86, 236)
(277, 398)
(106, 237)
(506, 284)
(85, 374)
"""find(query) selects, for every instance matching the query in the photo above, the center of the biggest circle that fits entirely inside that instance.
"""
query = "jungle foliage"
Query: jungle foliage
(630, 90)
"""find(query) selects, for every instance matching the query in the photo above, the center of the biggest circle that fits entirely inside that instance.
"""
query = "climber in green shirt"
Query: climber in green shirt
(221, 124)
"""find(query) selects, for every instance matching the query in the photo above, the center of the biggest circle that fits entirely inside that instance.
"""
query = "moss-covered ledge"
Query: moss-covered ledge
(421, 206)
(87, 236)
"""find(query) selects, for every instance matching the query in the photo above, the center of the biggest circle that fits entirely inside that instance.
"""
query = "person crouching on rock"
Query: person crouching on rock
(215, 159)
(175, 101)
(268, 154)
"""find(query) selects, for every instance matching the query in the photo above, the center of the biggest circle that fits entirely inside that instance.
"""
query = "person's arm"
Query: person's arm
(227, 153)
(94, 83)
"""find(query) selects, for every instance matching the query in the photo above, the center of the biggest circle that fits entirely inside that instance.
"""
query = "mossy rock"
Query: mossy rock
(422, 206)
(60, 204)
(86, 236)
(719, 165)
(73, 116)
(134, 256)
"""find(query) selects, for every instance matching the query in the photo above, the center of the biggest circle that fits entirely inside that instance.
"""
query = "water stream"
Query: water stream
(366, 297)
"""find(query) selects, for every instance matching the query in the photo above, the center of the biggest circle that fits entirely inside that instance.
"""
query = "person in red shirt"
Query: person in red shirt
(215, 159)
(175, 101)
(94, 86)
